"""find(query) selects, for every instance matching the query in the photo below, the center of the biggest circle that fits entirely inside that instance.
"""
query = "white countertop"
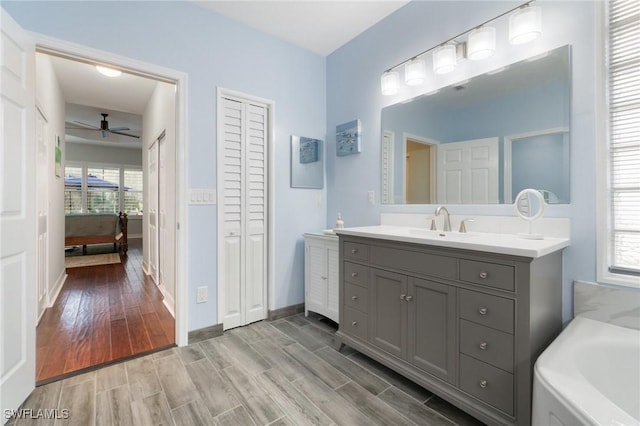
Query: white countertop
(478, 241)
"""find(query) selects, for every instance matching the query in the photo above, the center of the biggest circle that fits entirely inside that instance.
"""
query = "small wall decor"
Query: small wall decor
(307, 162)
(58, 157)
(348, 136)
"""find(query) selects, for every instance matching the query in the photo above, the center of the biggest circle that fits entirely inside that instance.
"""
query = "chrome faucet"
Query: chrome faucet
(447, 220)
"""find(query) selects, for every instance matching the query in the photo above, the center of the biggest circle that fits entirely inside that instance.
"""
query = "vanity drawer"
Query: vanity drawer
(489, 274)
(355, 323)
(357, 297)
(487, 383)
(486, 344)
(492, 311)
(415, 261)
(356, 251)
(356, 274)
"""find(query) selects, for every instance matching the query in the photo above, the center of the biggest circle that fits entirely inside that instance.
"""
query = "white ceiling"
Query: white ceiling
(321, 26)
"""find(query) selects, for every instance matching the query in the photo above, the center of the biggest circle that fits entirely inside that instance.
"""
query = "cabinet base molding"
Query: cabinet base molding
(287, 311)
(472, 406)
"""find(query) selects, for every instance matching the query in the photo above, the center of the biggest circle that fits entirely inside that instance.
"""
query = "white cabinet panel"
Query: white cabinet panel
(321, 275)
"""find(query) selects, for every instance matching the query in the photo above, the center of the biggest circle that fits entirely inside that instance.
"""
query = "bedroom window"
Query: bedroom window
(620, 181)
(103, 189)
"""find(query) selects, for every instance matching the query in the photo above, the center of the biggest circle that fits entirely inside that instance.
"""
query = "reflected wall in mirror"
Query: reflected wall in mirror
(483, 140)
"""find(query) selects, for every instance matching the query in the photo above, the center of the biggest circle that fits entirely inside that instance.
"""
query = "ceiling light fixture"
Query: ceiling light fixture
(525, 24)
(109, 72)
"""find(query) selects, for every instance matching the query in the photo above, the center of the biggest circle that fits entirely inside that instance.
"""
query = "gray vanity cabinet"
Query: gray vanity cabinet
(466, 325)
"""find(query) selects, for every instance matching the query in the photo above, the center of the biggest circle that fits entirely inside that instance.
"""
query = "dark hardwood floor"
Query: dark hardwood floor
(103, 314)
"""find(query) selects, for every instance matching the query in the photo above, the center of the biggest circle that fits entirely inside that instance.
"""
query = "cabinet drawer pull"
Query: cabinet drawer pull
(354, 274)
(483, 346)
(403, 296)
(409, 298)
(355, 323)
(483, 311)
(483, 275)
(483, 384)
(354, 297)
(354, 251)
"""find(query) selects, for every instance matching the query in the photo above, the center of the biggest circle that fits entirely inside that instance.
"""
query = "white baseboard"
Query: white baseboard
(57, 287)
(145, 268)
(168, 301)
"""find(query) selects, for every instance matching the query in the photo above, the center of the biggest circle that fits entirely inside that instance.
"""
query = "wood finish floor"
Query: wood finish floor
(284, 372)
(103, 313)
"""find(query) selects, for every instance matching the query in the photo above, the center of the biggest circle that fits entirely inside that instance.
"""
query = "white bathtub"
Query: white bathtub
(589, 375)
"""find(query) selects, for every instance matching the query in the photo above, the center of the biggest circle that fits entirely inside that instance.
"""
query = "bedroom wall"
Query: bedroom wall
(49, 99)
(213, 51)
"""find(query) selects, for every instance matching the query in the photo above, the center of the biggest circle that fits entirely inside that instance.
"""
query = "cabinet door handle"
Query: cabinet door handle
(483, 384)
(403, 296)
(409, 298)
(483, 346)
(355, 323)
(483, 275)
(483, 311)
(354, 297)
(354, 274)
(354, 251)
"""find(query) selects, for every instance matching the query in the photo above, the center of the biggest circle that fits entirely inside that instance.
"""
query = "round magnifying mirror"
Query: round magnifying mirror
(530, 206)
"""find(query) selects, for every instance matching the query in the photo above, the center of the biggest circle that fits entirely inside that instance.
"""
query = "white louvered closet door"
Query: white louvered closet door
(243, 257)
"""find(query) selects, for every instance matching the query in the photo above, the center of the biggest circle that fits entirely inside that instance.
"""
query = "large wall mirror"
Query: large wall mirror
(483, 140)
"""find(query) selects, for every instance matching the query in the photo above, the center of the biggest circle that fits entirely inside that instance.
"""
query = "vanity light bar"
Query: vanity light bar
(525, 24)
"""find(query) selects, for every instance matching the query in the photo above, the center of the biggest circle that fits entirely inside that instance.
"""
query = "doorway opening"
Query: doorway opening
(420, 170)
(107, 312)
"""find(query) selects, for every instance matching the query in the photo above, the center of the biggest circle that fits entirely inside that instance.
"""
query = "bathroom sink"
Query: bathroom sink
(478, 241)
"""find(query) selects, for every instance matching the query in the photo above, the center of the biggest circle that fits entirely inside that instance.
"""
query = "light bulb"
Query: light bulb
(390, 83)
(525, 25)
(481, 43)
(444, 59)
(415, 72)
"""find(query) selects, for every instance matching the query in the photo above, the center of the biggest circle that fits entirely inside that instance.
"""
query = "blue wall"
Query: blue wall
(353, 91)
(213, 51)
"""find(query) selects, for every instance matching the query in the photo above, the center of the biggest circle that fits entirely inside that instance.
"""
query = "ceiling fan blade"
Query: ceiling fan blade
(118, 129)
(125, 134)
(86, 126)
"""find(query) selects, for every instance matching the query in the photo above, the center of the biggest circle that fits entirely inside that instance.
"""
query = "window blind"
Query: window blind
(623, 56)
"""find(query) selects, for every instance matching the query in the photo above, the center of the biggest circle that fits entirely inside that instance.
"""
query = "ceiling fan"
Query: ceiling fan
(105, 129)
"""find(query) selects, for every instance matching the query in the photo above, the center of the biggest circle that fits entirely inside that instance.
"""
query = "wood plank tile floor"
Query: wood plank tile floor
(283, 372)
(103, 313)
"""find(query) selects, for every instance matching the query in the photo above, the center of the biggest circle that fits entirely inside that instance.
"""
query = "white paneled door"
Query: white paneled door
(152, 208)
(468, 172)
(17, 215)
(242, 249)
(42, 208)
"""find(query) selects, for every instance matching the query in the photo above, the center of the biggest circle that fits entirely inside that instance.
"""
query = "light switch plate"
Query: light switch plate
(202, 294)
(202, 196)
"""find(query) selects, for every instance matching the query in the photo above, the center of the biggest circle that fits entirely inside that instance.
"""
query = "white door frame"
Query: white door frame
(83, 53)
(221, 93)
(433, 156)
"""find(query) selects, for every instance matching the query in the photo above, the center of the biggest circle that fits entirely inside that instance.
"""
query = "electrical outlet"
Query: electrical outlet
(372, 197)
(202, 294)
